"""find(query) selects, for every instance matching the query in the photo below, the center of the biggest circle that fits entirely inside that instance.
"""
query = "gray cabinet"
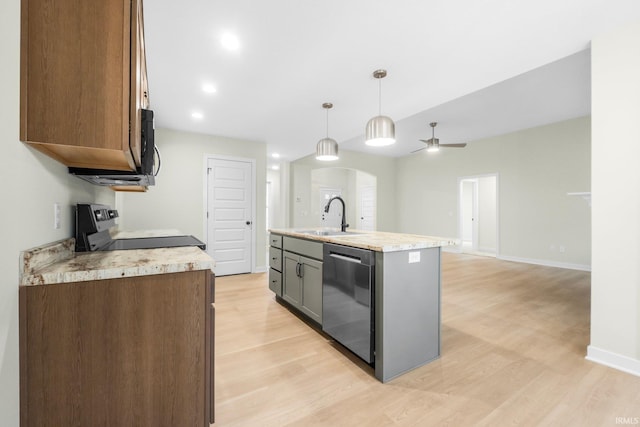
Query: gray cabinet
(275, 264)
(302, 276)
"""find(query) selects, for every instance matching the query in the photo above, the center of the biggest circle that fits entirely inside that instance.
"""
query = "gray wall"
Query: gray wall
(536, 169)
(31, 184)
(177, 200)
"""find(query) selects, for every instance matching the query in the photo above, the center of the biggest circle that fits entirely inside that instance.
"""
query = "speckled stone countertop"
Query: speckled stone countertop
(378, 241)
(58, 263)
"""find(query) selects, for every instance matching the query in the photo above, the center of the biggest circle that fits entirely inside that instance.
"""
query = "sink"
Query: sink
(326, 232)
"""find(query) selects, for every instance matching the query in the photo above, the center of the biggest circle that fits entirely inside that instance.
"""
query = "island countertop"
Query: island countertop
(379, 241)
(58, 263)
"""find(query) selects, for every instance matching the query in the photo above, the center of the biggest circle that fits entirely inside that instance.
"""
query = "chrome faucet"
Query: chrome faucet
(343, 225)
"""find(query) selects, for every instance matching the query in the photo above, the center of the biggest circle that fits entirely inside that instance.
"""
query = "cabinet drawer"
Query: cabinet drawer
(275, 258)
(275, 281)
(275, 240)
(303, 247)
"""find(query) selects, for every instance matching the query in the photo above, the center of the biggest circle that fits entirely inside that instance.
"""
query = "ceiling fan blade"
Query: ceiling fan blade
(461, 145)
(419, 149)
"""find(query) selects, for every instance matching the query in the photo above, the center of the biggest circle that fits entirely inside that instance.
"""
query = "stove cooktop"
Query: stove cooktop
(153, 243)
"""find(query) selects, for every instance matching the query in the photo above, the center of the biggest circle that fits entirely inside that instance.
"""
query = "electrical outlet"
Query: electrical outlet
(56, 215)
(561, 249)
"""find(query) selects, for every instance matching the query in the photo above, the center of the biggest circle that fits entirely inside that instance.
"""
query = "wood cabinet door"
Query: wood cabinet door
(75, 81)
(139, 82)
(117, 352)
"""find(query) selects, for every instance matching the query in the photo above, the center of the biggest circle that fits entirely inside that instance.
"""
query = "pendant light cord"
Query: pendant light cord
(379, 96)
(327, 123)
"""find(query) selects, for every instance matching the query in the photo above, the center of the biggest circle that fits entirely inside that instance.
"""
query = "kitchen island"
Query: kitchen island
(405, 300)
(119, 337)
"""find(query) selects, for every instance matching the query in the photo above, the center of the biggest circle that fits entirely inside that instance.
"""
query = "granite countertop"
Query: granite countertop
(378, 241)
(58, 263)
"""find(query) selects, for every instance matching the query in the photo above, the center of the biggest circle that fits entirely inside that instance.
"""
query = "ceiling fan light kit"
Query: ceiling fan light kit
(433, 143)
(327, 148)
(380, 130)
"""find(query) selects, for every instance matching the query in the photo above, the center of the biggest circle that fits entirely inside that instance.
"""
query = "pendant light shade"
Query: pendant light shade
(380, 130)
(327, 148)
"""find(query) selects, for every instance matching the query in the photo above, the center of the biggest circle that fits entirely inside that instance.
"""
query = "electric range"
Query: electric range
(93, 222)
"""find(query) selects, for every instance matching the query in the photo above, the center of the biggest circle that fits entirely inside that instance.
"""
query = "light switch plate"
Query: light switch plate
(414, 257)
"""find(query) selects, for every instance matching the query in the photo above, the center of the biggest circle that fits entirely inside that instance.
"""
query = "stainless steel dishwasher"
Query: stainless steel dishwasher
(347, 298)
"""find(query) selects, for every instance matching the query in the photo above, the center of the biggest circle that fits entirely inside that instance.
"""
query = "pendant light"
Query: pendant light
(327, 148)
(380, 130)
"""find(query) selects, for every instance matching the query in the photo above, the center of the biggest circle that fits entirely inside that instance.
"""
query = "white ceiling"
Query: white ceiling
(479, 68)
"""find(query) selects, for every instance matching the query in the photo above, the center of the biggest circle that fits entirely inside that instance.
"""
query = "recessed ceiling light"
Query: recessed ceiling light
(275, 155)
(230, 41)
(209, 88)
(197, 115)
(275, 167)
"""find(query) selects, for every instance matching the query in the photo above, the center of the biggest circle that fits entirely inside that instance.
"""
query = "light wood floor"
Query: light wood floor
(514, 337)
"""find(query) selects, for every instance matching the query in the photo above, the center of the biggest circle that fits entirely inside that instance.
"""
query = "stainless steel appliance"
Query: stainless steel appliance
(93, 222)
(348, 298)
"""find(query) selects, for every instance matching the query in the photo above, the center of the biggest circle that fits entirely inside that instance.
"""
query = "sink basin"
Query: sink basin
(326, 232)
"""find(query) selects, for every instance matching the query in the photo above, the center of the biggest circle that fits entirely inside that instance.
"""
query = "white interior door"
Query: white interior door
(230, 215)
(367, 218)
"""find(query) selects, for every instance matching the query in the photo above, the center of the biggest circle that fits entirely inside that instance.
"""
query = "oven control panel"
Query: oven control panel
(93, 222)
(104, 214)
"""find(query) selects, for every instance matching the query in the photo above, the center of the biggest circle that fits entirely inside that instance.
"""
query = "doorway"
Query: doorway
(478, 214)
(230, 214)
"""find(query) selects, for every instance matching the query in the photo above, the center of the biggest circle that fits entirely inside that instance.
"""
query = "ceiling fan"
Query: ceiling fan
(433, 143)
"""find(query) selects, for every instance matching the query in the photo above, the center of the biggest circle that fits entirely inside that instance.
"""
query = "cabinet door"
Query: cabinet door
(75, 81)
(139, 87)
(291, 283)
(311, 272)
(116, 352)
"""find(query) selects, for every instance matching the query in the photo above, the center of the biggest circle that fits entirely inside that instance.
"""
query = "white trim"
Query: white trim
(254, 201)
(261, 269)
(613, 360)
(547, 263)
(487, 250)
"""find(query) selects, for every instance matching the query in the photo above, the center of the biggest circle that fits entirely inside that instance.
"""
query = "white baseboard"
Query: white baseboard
(261, 269)
(487, 250)
(547, 263)
(613, 360)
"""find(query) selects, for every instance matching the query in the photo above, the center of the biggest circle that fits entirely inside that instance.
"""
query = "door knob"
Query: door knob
(248, 223)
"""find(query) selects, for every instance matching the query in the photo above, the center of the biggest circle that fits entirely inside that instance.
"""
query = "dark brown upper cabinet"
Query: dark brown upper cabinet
(83, 81)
